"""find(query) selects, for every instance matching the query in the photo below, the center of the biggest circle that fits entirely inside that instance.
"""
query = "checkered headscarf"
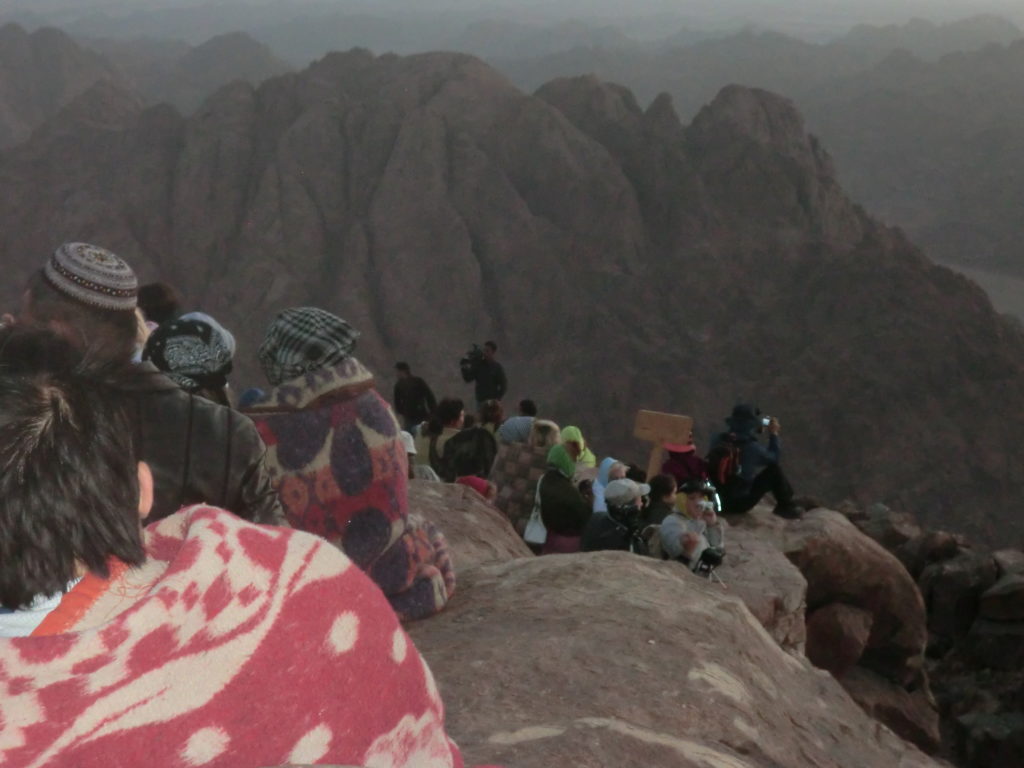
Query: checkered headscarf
(302, 340)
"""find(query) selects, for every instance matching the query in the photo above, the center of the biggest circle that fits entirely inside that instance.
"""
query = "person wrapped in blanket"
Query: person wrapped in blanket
(336, 458)
(204, 639)
(693, 533)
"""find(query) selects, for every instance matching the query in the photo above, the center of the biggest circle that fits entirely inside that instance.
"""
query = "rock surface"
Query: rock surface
(40, 74)
(609, 659)
(771, 587)
(476, 532)
(1004, 600)
(926, 548)
(911, 714)
(842, 565)
(952, 591)
(890, 528)
(837, 635)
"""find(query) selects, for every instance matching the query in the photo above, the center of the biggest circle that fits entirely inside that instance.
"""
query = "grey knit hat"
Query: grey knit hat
(93, 276)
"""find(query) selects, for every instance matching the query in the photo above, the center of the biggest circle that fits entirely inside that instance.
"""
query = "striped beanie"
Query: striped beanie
(93, 276)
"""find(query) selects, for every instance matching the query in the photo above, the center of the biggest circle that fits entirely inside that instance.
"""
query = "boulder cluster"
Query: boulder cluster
(974, 600)
(614, 659)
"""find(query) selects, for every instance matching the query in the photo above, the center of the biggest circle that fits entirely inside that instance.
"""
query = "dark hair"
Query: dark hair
(68, 477)
(527, 407)
(159, 302)
(491, 346)
(662, 486)
(469, 422)
(636, 474)
(491, 412)
(102, 334)
(403, 367)
(448, 410)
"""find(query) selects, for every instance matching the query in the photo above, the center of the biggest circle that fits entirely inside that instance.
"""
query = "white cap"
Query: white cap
(408, 442)
(625, 491)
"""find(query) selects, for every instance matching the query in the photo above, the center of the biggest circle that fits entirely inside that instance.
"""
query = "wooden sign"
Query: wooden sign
(661, 428)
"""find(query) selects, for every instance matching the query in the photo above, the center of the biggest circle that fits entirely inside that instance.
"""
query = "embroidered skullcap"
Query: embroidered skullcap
(195, 354)
(305, 339)
(93, 276)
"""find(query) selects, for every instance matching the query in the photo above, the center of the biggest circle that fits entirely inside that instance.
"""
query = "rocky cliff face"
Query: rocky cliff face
(185, 76)
(619, 258)
(40, 74)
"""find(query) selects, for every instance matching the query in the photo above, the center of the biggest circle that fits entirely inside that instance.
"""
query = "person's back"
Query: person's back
(338, 463)
(414, 401)
(198, 451)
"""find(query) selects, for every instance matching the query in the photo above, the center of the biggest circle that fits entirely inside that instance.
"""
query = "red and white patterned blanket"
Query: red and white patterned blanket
(236, 645)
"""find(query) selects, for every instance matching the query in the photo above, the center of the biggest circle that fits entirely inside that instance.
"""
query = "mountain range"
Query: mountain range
(620, 258)
(929, 144)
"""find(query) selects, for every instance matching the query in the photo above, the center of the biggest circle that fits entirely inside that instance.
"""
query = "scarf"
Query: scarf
(303, 340)
(559, 458)
(336, 458)
(234, 645)
(194, 351)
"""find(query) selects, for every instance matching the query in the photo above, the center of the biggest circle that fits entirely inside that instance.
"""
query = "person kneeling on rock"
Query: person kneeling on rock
(693, 534)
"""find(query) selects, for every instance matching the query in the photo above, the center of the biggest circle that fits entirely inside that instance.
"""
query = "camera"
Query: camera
(766, 420)
(470, 363)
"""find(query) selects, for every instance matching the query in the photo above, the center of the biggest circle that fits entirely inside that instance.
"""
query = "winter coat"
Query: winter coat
(562, 509)
(198, 451)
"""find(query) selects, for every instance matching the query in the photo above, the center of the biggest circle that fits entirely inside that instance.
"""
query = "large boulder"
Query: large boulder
(771, 587)
(1009, 561)
(476, 531)
(842, 565)
(952, 591)
(889, 527)
(837, 635)
(611, 659)
(930, 547)
(1004, 600)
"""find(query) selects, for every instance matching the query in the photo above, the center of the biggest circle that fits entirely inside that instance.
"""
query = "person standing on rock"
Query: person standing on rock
(744, 470)
(491, 383)
(414, 400)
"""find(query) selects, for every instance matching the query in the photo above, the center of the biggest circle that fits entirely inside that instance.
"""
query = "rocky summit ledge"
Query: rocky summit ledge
(610, 659)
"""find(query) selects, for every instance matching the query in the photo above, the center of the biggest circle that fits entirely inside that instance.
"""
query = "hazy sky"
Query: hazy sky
(813, 17)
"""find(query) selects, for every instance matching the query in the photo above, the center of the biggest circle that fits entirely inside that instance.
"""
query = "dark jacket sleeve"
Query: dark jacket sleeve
(256, 499)
(428, 395)
(501, 382)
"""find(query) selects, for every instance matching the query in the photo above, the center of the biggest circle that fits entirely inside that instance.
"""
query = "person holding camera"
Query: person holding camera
(743, 469)
(693, 534)
(619, 527)
(482, 367)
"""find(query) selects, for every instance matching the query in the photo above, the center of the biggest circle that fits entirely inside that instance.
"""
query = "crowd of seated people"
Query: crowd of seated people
(266, 498)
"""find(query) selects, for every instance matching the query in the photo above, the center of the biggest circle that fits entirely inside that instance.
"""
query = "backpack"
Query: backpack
(724, 465)
(470, 452)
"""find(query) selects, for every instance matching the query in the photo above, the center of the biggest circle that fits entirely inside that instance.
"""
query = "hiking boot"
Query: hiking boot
(788, 511)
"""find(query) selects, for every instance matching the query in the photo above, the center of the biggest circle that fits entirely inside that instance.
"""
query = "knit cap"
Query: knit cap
(305, 339)
(93, 276)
